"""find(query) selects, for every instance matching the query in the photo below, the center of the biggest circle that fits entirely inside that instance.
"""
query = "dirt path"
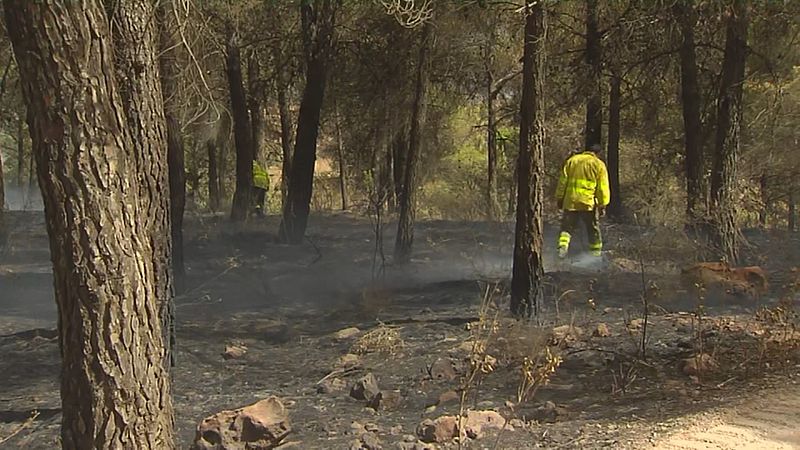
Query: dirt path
(768, 421)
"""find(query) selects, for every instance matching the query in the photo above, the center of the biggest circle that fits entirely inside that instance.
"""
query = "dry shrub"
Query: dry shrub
(382, 339)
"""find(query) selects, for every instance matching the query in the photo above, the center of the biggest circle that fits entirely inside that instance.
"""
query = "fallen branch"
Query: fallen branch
(21, 427)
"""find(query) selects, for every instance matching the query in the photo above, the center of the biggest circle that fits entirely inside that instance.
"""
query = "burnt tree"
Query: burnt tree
(686, 17)
(528, 270)
(115, 391)
(242, 130)
(593, 132)
(175, 147)
(614, 131)
(317, 22)
(404, 239)
(724, 230)
(285, 119)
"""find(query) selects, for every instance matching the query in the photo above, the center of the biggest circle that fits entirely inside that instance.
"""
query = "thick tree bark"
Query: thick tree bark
(593, 133)
(614, 130)
(528, 270)
(407, 200)
(114, 386)
(286, 140)
(724, 230)
(20, 153)
(342, 164)
(399, 157)
(258, 114)
(242, 131)
(3, 231)
(2, 191)
(213, 176)
(763, 212)
(318, 18)
(690, 100)
(175, 146)
(136, 49)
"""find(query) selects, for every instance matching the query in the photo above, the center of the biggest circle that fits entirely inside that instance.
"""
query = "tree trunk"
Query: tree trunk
(724, 231)
(2, 191)
(491, 129)
(3, 231)
(340, 155)
(242, 131)
(528, 270)
(792, 217)
(763, 213)
(213, 176)
(20, 153)
(614, 128)
(692, 125)
(114, 388)
(136, 50)
(286, 140)
(175, 147)
(258, 114)
(318, 27)
(593, 133)
(407, 201)
(399, 158)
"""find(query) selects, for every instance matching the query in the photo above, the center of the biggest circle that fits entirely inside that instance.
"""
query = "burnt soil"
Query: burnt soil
(284, 304)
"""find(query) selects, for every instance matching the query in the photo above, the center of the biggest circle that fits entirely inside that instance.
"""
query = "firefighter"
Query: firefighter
(582, 195)
(260, 187)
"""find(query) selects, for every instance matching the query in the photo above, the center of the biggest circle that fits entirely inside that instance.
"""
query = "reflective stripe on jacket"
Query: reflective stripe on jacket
(583, 183)
(260, 177)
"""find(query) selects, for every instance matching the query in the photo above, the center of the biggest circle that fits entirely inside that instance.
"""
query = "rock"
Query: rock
(372, 427)
(356, 427)
(749, 281)
(516, 423)
(234, 351)
(331, 385)
(346, 333)
(386, 400)
(479, 421)
(410, 438)
(445, 428)
(347, 361)
(580, 360)
(416, 446)
(442, 429)
(636, 324)
(443, 370)
(368, 441)
(567, 333)
(262, 425)
(448, 397)
(699, 364)
(365, 388)
(601, 330)
(548, 413)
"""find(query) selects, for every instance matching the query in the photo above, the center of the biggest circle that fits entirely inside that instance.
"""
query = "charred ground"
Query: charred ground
(282, 305)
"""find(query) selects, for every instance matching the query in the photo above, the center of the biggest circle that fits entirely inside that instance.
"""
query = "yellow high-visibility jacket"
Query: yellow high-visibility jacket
(583, 183)
(260, 177)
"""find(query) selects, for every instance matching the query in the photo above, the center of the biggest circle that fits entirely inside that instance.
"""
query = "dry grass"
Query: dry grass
(382, 339)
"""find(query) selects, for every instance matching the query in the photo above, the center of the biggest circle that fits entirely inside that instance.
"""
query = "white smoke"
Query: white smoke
(23, 199)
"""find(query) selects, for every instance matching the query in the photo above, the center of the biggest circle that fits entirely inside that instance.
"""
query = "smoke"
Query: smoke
(23, 199)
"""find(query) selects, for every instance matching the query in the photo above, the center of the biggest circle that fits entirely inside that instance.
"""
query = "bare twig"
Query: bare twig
(21, 427)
